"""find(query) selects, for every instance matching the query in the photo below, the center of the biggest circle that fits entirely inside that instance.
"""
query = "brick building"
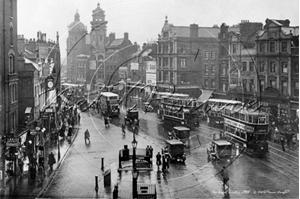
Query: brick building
(187, 58)
(8, 87)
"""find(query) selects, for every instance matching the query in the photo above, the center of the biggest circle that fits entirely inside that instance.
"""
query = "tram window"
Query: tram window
(227, 112)
(255, 119)
(242, 117)
(236, 115)
(243, 135)
(250, 118)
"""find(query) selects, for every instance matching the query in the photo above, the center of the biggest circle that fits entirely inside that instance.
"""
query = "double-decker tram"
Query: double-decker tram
(108, 102)
(213, 109)
(178, 109)
(248, 127)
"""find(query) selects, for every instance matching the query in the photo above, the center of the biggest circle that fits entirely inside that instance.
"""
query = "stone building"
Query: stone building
(187, 58)
(278, 68)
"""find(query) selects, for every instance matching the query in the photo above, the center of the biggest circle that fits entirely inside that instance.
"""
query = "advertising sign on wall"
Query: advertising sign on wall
(150, 66)
(151, 78)
(134, 66)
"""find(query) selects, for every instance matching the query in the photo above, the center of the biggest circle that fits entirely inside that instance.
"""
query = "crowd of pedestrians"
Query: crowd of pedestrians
(284, 137)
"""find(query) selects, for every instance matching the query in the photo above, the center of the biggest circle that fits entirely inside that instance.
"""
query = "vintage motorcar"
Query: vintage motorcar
(132, 117)
(182, 133)
(219, 150)
(175, 148)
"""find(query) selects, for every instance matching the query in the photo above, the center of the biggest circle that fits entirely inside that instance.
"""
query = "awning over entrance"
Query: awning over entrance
(28, 110)
(205, 95)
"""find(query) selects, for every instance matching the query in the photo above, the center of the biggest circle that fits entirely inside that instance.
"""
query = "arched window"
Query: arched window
(11, 63)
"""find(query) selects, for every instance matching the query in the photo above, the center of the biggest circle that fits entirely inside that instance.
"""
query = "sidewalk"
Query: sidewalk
(23, 187)
(124, 181)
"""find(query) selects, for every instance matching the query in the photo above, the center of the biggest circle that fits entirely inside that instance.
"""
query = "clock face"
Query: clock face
(50, 84)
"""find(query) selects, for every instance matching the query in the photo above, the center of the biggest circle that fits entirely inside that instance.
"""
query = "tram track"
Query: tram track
(285, 158)
(282, 168)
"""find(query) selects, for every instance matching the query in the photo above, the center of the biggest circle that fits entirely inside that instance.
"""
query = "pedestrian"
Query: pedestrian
(276, 135)
(147, 151)
(294, 140)
(158, 160)
(167, 160)
(151, 151)
(70, 132)
(41, 173)
(106, 122)
(32, 171)
(289, 139)
(79, 118)
(51, 160)
(282, 143)
(21, 165)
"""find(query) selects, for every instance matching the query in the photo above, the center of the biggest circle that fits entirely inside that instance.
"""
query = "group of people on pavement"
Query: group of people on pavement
(285, 137)
(163, 159)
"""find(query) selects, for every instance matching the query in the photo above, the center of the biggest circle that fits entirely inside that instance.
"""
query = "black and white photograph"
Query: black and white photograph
(158, 99)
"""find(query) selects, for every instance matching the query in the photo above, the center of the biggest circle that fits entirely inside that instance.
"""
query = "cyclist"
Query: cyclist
(87, 135)
(225, 176)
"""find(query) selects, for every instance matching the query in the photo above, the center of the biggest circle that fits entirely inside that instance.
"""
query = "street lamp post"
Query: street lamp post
(135, 172)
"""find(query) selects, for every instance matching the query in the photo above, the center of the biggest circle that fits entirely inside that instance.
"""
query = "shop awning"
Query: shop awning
(28, 110)
(205, 95)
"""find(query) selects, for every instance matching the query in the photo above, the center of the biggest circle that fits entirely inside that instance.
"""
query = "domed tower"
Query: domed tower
(98, 32)
(76, 44)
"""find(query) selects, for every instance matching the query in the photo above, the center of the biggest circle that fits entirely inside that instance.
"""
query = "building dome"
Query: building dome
(76, 25)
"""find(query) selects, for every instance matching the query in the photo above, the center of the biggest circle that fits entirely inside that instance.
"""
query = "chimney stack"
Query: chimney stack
(126, 35)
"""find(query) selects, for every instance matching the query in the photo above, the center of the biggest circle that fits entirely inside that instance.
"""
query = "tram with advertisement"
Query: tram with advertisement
(213, 110)
(108, 103)
(248, 128)
(178, 109)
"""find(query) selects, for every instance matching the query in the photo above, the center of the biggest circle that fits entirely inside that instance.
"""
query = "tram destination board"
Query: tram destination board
(13, 142)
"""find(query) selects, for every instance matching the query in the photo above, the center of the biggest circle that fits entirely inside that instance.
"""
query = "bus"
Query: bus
(178, 109)
(108, 103)
(248, 128)
(213, 109)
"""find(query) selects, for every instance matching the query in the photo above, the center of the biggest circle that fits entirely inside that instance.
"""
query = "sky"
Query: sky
(144, 19)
